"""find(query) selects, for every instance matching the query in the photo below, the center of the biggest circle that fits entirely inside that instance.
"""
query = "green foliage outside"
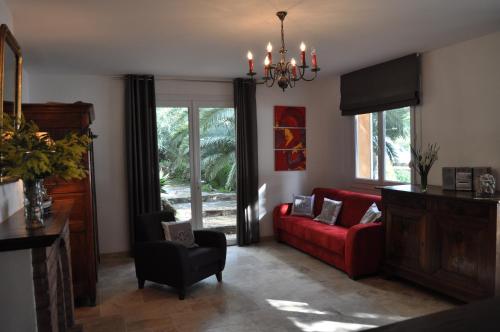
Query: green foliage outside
(217, 147)
(397, 142)
(28, 154)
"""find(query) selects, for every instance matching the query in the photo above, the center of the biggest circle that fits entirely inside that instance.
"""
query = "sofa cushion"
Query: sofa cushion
(320, 194)
(329, 212)
(371, 215)
(326, 236)
(354, 208)
(302, 205)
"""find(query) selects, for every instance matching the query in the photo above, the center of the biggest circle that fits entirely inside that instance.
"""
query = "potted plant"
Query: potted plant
(422, 162)
(32, 155)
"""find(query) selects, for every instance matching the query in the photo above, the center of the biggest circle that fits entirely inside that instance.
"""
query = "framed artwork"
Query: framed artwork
(289, 138)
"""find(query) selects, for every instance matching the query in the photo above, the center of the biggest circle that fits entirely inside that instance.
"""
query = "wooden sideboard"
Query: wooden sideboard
(58, 119)
(444, 240)
(50, 258)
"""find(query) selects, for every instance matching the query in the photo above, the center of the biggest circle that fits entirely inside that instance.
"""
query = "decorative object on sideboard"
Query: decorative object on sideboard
(31, 155)
(476, 174)
(448, 178)
(286, 72)
(463, 179)
(422, 162)
(487, 185)
(289, 138)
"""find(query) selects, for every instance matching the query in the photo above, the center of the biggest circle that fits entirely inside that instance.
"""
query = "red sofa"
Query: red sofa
(354, 248)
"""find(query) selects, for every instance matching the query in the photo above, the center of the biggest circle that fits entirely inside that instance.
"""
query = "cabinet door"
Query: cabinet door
(466, 260)
(406, 229)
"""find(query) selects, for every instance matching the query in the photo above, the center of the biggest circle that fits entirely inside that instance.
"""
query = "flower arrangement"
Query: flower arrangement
(422, 162)
(31, 155)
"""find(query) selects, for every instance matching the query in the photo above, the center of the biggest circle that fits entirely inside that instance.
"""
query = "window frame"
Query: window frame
(381, 181)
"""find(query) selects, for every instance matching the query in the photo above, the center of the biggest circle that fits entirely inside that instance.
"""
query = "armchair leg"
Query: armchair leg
(182, 293)
(219, 276)
(141, 282)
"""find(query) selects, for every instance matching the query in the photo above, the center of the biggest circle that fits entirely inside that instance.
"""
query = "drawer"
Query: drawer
(407, 200)
(461, 208)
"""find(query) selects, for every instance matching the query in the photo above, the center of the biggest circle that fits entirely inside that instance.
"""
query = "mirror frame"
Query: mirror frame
(7, 40)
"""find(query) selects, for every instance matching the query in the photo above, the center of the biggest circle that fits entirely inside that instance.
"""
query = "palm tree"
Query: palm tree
(217, 145)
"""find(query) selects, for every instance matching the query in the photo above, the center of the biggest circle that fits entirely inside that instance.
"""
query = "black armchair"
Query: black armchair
(169, 263)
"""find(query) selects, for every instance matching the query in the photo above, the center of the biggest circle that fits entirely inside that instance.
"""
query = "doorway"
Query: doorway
(197, 156)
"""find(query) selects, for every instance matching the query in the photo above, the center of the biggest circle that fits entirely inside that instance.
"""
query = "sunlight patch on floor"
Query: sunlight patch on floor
(329, 326)
(293, 306)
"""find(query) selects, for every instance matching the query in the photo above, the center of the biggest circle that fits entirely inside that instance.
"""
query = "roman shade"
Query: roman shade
(389, 85)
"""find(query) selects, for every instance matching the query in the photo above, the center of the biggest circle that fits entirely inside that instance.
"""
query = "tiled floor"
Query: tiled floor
(268, 287)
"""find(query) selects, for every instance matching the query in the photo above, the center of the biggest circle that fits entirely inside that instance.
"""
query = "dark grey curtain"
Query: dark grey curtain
(247, 162)
(142, 148)
(388, 85)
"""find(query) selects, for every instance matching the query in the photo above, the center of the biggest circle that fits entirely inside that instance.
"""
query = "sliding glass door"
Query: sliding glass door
(197, 152)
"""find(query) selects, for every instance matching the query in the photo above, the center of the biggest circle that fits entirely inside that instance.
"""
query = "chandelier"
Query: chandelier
(285, 72)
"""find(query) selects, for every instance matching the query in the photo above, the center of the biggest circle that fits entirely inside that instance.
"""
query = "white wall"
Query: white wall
(17, 303)
(461, 107)
(324, 140)
(107, 95)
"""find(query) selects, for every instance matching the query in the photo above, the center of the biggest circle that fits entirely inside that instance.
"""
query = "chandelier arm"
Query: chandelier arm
(312, 78)
(291, 82)
(269, 85)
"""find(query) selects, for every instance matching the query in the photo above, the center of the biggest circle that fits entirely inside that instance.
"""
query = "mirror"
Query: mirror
(11, 62)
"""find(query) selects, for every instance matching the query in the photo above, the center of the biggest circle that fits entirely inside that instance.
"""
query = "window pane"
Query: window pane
(173, 155)
(367, 147)
(397, 145)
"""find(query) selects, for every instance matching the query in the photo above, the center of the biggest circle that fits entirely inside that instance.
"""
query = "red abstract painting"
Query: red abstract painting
(289, 160)
(289, 138)
(289, 117)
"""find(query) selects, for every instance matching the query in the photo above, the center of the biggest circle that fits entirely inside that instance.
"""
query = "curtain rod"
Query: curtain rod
(187, 79)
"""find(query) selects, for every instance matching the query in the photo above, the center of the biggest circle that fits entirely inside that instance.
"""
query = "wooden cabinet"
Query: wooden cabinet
(443, 240)
(59, 119)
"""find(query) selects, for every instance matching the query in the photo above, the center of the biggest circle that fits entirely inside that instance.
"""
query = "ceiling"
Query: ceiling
(210, 38)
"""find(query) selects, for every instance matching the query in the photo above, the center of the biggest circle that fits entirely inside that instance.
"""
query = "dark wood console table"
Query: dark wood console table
(445, 240)
(51, 265)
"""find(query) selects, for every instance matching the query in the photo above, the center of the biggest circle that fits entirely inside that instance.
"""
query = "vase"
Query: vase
(423, 183)
(33, 203)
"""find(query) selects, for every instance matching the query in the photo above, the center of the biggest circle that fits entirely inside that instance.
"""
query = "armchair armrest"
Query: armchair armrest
(207, 238)
(364, 249)
(161, 259)
(279, 212)
(282, 210)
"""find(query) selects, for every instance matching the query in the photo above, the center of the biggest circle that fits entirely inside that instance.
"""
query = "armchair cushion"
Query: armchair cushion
(179, 232)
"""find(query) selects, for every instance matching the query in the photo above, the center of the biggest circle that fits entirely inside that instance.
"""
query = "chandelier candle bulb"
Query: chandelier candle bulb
(269, 50)
(294, 67)
(250, 62)
(314, 59)
(266, 66)
(303, 53)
